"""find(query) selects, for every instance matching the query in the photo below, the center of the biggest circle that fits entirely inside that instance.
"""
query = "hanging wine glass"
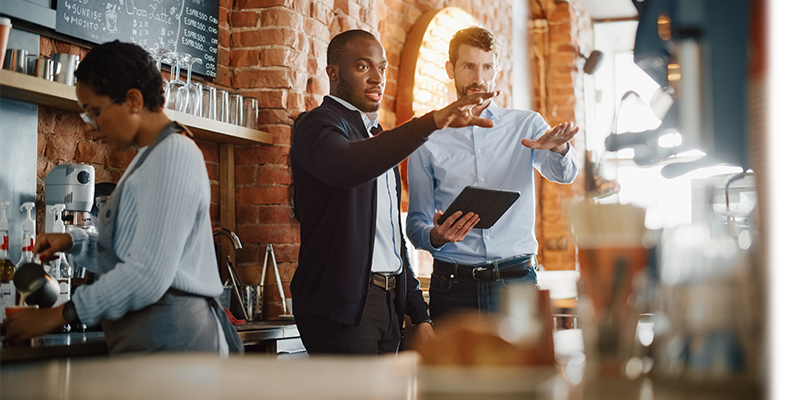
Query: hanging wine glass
(158, 54)
(195, 93)
(178, 93)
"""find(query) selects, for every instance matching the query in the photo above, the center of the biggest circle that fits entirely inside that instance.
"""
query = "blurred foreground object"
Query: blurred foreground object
(611, 254)
(709, 305)
(509, 352)
(520, 335)
(773, 95)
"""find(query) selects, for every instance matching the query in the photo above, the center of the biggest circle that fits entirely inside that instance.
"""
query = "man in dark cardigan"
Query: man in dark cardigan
(354, 283)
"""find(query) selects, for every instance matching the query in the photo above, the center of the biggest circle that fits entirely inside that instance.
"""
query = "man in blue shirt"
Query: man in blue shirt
(472, 265)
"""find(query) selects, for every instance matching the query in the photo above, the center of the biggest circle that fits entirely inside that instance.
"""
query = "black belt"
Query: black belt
(509, 268)
(385, 282)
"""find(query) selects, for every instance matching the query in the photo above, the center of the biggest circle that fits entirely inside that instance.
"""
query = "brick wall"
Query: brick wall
(63, 139)
(274, 50)
(568, 30)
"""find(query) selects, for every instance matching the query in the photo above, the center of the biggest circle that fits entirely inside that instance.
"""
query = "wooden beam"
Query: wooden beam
(227, 197)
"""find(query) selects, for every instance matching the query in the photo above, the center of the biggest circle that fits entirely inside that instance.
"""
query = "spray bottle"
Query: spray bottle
(7, 290)
(28, 234)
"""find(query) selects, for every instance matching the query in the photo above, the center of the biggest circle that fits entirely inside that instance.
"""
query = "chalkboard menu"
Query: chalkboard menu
(186, 26)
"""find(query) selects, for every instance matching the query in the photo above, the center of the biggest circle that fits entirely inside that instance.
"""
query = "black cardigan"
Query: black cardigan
(334, 166)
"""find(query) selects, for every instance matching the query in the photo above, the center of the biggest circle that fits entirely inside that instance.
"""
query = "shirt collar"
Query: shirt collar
(368, 123)
(492, 111)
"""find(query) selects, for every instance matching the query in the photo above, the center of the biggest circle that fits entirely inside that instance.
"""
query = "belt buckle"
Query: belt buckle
(386, 282)
(477, 269)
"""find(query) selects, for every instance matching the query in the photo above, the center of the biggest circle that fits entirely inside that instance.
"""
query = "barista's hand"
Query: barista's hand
(424, 333)
(48, 244)
(459, 113)
(555, 139)
(454, 228)
(26, 324)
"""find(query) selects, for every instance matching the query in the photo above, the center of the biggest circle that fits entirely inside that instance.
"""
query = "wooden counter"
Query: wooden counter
(199, 377)
(267, 337)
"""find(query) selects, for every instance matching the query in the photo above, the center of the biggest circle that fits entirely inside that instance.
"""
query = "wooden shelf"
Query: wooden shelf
(56, 95)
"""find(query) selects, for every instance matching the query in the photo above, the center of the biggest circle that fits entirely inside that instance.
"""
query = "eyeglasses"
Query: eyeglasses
(89, 117)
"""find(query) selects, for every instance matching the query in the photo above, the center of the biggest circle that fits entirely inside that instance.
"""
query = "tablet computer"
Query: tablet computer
(489, 204)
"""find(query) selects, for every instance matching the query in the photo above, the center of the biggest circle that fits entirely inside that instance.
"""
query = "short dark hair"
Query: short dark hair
(113, 68)
(338, 46)
(474, 36)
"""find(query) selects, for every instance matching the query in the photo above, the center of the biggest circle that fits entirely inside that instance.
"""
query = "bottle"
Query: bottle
(28, 234)
(7, 289)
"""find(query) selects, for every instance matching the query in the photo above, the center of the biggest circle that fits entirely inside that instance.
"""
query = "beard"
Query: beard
(346, 92)
(462, 91)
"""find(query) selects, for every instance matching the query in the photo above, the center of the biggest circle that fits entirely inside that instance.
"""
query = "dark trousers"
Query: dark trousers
(450, 294)
(378, 332)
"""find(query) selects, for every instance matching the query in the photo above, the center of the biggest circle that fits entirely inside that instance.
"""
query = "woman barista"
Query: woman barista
(154, 250)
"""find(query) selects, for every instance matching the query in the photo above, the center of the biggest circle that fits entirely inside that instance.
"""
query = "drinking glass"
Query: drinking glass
(209, 107)
(158, 54)
(178, 92)
(194, 92)
(250, 113)
(223, 109)
(236, 103)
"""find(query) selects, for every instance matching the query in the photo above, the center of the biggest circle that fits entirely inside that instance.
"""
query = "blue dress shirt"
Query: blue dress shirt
(453, 158)
(386, 255)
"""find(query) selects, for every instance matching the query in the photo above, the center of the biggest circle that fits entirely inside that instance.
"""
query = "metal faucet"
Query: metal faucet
(237, 244)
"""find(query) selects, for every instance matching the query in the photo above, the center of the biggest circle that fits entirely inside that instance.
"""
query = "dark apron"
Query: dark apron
(179, 321)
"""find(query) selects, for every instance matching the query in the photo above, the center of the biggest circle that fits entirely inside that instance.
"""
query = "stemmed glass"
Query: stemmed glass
(158, 54)
(178, 92)
(194, 90)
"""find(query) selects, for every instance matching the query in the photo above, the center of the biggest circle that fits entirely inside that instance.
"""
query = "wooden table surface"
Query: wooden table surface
(199, 377)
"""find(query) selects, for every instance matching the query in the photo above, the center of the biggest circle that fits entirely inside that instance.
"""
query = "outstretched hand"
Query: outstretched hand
(459, 113)
(555, 139)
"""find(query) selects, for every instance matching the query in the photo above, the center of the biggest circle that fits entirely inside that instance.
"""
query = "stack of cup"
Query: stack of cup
(5, 32)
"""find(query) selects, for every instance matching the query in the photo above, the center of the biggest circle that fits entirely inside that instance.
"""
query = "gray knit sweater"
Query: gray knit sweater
(162, 236)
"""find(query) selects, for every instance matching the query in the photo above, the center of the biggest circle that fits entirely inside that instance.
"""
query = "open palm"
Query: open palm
(554, 138)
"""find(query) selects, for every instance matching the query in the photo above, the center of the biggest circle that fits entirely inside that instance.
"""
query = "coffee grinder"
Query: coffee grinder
(73, 186)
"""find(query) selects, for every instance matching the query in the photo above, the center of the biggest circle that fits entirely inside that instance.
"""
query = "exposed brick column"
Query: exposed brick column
(568, 29)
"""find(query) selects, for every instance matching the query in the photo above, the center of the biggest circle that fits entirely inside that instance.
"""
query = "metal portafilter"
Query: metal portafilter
(35, 286)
